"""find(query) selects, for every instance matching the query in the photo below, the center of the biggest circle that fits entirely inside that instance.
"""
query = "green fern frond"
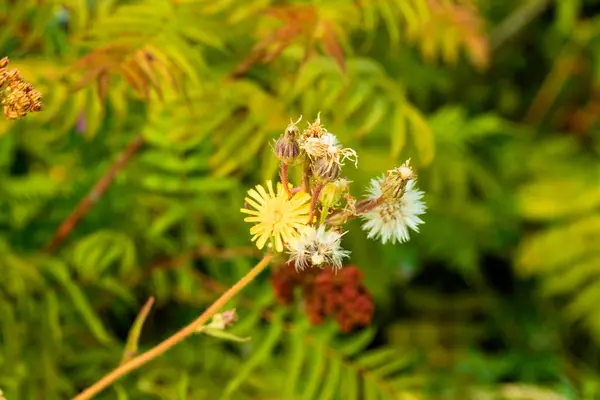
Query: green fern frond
(152, 48)
(95, 254)
(317, 363)
(568, 206)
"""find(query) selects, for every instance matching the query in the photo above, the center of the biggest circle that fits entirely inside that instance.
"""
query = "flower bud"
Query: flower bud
(292, 129)
(333, 192)
(326, 170)
(287, 148)
(395, 181)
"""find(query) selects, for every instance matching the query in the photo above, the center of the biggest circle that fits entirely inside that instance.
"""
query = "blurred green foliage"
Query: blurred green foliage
(496, 103)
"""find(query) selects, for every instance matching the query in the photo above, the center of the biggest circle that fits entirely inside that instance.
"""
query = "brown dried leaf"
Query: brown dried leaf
(463, 22)
(299, 23)
(332, 46)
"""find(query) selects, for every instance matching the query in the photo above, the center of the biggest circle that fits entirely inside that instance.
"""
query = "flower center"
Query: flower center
(317, 259)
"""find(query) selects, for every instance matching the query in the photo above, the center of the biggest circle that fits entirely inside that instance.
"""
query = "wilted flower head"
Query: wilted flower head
(17, 96)
(317, 247)
(327, 156)
(397, 206)
(314, 130)
(275, 215)
(396, 179)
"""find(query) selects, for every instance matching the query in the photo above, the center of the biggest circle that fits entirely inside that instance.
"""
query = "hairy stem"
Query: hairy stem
(84, 206)
(284, 179)
(306, 177)
(313, 204)
(162, 347)
(362, 207)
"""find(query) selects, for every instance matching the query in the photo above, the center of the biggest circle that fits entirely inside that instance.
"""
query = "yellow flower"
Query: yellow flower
(275, 215)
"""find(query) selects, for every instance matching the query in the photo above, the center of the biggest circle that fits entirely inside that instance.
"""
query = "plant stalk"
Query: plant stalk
(190, 329)
(284, 179)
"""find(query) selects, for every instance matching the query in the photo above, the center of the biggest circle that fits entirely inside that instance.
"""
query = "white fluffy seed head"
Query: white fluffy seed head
(393, 217)
(317, 247)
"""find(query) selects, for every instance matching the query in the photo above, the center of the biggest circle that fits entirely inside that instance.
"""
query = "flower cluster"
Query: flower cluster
(17, 96)
(305, 222)
(327, 294)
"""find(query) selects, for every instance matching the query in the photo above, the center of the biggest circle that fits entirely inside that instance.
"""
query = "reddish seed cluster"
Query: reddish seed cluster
(326, 293)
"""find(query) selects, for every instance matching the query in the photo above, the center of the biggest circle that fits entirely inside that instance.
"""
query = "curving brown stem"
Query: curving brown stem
(284, 179)
(362, 208)
(313, 204)
(185, 332)
(94, 195)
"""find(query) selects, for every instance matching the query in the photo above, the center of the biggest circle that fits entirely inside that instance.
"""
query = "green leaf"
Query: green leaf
(296, 358)
(221, 334)
(358, 342)
(80, 302)
(133, 338)
(269, 341)
(318, 365)
(332, 380)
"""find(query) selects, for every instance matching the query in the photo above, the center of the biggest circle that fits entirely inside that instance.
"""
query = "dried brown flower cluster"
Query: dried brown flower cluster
(327, 293)
(17, 96)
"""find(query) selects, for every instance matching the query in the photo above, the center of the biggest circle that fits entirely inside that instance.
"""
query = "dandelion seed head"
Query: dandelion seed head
(316, 247)
(392, 218)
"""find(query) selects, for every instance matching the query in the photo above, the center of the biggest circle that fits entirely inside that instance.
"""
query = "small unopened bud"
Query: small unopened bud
(287, 148)
(325, 169)
(224, 319)
(292, 128)
(395, 181)
(333, 192)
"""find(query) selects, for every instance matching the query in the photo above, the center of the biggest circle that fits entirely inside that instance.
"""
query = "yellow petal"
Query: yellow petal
(262, 191)
(261, 241)
(256, 196)
(270, 188)
(278, 244)
(253, 203)
(258, 228)
(251, 212)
